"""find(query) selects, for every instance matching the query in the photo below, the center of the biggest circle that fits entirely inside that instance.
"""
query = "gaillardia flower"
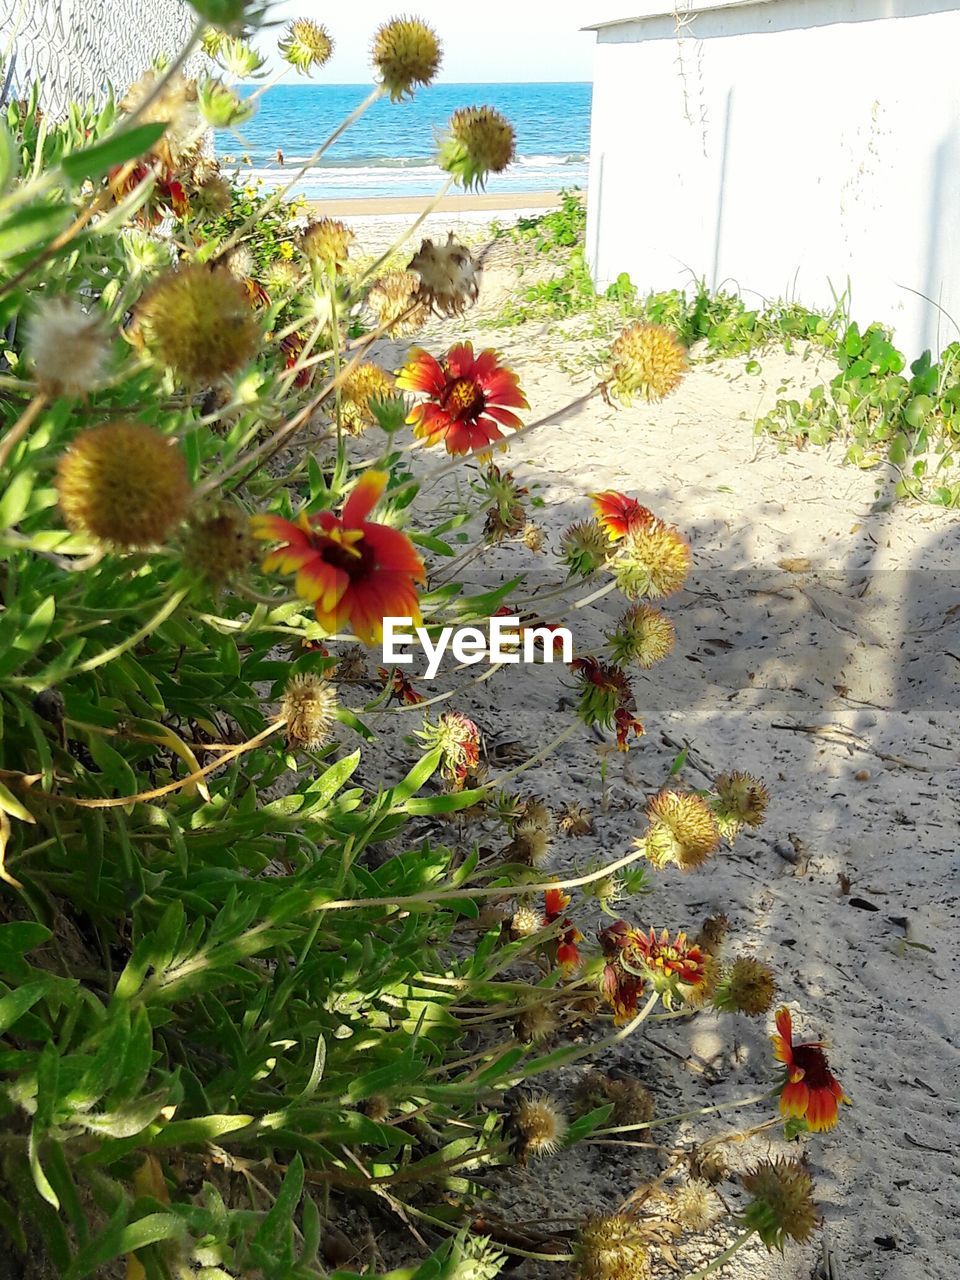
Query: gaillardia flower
(327, 241)
(365, 382)
(406, 53)
(123, 483)
(458, 740)
(584, 548)
(394, 300)
(449, 276)
(648, 361)
(677, 969)
(652, 561)
(811, 1092)
(643, 635)
(747, 986)
(782, 1207)
(740, 800)
(481, 141)
(305, 44)
(616, 513)
(537, 1127)
(198, 321)
(606, 699)
(218, 543)
(354, 571)
(468, 398)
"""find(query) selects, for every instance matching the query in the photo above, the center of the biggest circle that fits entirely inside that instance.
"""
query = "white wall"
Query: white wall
(789, 148)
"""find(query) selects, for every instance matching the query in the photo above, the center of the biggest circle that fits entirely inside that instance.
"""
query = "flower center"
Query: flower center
(464, 399)
(813, 1061)
(351, 554)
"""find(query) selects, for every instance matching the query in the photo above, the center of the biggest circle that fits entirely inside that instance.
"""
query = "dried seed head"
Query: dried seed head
(535, 1024)
(406, 53)
(395, 303)
(449, 281)
(212, 197)
(310, 709)
(530, 845)
(747, 986)
(175, 106)
(612, 1247)
(584, 548)
(712, 933)
(575, 820)
(328, 242)
(534, 813)
(632, 1102)
(741, 801)
(199, 323)
(694, 1205)
(538, 1126)
(352, 667)
(376, 1108)
(305, 44)
(653, 561)
(782, 1207)
(364, 383)
(281, 276)
(525, 922)
(481, 141)
(643, 635)
(682, 830)
(533, 538)
(648, 361)
(68, 347)
(707, 1163)
(123, 483)
(218, 543)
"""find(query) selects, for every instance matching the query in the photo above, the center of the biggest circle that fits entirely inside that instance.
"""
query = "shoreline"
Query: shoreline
(392, 206)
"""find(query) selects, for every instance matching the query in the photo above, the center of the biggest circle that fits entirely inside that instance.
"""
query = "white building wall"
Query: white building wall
(789, 148)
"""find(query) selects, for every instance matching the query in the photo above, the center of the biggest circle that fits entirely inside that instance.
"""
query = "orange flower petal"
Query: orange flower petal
(367, 493)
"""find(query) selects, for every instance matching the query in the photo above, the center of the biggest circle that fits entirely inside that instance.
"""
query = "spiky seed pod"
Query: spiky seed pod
(712, 933)
(530, 845)
(740, 801)
(708, 1163)
(406, 53)
(239, 262)
(538, 1127)
(175, 106)
(682, 830)
(653, 561)
(68, 347)
(643, 635)
(281, 276)
(747, 986)
(584, 548)
(694, 1205)
(218, 543)
(648, 361)
(575, 820)
(221, 106)
(212, 197)
(123, 483)
(305, 44)
(448, 274)
(632, 1102)
(536, 1024)
(364, 383)
(309, 707)
(199, 323)
(782, 1207)
(535, 814)
(533, 538)
(393, 299)
(612, 1247)
(458, 740)
(376, 1108)
(481, 141)
(352, 667)
(504, 520)
(525, 922)
(327, 242)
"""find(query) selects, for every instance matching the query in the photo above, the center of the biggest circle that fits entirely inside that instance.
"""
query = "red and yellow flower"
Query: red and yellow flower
(678, 969)
(401, 690)
(811, 1091)
(354, 571)
(620, 984)
(469, 398)
(555, 903)
(617, 514)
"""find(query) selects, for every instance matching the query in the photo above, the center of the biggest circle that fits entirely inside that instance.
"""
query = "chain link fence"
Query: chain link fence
(76, 49)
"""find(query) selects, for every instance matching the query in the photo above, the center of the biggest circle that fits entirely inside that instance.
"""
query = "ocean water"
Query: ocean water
(390, 150)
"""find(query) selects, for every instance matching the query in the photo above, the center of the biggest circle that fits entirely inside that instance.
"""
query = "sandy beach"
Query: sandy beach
(389, 206)
(814, 648)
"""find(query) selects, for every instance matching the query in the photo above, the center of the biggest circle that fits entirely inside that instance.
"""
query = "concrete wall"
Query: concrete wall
(789, 148)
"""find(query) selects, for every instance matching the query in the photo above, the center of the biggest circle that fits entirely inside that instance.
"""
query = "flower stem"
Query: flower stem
(686, 1115)
(22, 425)
(721, 1258)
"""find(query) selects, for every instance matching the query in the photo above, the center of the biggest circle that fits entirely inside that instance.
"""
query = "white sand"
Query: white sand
(811, 604)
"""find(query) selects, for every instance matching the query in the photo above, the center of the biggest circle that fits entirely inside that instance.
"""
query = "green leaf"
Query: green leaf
(423, 805)
(21, 936)
(29, 226)
(117, 1239)
(10, 804)
(276, 1226)
(9, 159)
(16, 498)
(16, 1004)
(95, 161)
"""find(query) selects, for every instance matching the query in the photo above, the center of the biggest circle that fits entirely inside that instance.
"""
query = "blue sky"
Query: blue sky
(484, 40)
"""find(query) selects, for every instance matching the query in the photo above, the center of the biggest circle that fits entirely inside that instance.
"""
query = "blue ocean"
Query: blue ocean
(389, 151)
